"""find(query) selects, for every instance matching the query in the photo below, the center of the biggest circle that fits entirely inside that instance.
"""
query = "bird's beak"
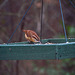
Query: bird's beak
(23, 30)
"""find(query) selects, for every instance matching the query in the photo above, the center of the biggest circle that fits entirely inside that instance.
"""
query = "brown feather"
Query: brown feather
(32, 34)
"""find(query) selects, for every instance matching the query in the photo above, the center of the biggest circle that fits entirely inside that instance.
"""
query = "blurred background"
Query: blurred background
(12, 11)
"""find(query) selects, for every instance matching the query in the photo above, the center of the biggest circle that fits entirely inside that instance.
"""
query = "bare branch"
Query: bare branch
(51, 29)
(10, 14)
(21, 9)
(3, 3)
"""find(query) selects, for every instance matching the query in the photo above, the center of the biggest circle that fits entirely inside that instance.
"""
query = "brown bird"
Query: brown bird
(31, 36)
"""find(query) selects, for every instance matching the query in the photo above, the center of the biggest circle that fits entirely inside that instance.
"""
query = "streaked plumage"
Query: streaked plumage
(31, 36)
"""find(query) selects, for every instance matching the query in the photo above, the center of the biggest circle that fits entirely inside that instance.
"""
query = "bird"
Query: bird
(31, 36)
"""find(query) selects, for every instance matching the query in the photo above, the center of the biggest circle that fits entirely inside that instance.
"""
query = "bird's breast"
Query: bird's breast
(27, 37)
(30, 38)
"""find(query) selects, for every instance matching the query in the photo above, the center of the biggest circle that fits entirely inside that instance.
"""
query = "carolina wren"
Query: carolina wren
(31, 36)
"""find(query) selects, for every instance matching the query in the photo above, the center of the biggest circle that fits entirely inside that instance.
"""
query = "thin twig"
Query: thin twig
(10, 14)
(1, 5)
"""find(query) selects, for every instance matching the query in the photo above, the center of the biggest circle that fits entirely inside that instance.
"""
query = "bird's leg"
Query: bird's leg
(40, 42)
(37, 42)
(30, 42)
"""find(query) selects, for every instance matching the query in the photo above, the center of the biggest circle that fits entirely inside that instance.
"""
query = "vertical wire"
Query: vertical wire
(63, 20)
(41, 21)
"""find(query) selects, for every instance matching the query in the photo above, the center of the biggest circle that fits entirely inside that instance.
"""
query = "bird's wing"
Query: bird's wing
(34, 35)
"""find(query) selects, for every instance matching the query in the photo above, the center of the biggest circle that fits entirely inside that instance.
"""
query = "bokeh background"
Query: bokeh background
(12, 11)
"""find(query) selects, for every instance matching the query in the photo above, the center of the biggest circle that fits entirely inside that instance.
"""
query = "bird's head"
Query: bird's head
(24, 31)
